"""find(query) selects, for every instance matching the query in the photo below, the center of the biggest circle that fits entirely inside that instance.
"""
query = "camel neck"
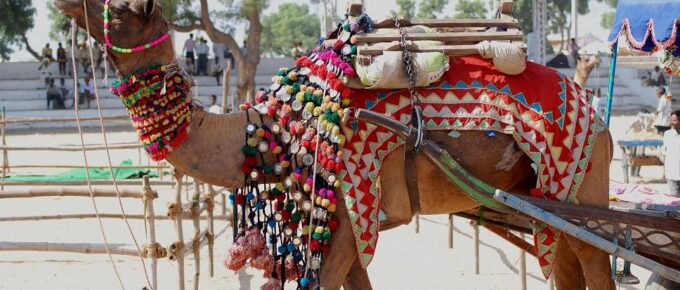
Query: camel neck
(158, 100)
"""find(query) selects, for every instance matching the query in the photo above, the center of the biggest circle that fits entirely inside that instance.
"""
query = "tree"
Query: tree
(290, 24)
(559, 16)
(183, 19)
(16, 19)
(429, 8)
(473, 9)
(60, 24)
(607, 18)
(407, 9)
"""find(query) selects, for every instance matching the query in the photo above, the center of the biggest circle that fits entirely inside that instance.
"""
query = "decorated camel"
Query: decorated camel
(529, 134)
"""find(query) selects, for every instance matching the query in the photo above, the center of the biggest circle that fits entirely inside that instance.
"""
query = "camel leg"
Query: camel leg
(338, 261)
(357, 278)
(593, 191)
(567, 271)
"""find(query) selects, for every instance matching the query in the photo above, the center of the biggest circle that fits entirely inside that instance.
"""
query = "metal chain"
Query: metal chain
(408, 60)
(416, 114)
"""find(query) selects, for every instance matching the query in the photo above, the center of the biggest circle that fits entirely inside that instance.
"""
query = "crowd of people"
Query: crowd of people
(62, 96)
(196, 53)
(65, 58)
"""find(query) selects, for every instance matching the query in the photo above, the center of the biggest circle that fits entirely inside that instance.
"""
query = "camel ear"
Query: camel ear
(149, 8)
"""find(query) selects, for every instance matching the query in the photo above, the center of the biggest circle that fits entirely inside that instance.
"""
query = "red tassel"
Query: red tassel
(535, 192)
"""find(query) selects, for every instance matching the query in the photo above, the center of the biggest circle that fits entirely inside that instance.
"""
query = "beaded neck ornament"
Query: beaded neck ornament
(115, 48)
(284, 212)
(159, 103)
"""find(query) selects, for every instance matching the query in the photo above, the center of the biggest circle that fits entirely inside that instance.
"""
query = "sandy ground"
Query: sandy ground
(404, 259)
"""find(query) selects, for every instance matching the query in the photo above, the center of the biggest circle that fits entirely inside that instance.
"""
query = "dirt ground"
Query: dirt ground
(404, 259)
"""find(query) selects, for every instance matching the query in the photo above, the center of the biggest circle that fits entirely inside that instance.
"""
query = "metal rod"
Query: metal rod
(610, 91)
(475, 239)
(451, 230)
(585, 235)
(522, 267)
(449, 23)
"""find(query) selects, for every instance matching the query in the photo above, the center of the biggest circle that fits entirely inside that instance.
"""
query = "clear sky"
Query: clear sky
(377, 9)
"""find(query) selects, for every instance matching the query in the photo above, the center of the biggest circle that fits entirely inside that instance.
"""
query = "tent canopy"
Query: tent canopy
(648, 25)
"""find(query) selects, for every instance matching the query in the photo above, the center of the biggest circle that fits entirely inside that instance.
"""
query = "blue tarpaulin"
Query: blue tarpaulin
(648, 24)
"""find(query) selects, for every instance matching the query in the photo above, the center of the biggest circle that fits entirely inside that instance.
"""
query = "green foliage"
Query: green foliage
(407, 9)
(607, 20)
(473, 9)
(430, 8)
(559, 14)
(59, 22)
(290, 24)
(16, 18)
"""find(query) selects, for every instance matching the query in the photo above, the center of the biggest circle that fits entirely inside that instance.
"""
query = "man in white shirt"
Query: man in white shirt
(663, 111)
(188, 49)
(671, 144)
(214, 108)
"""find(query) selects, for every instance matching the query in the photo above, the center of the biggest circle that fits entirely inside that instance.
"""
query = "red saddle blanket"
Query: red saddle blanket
(548, 115)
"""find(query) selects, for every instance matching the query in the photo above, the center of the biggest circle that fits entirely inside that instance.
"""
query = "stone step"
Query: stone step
(29, 70)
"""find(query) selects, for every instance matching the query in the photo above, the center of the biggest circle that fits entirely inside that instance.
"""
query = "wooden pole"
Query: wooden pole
(180, 231)
(149, 196)
(5, 160)
(197, 233)
(71, 148)
(451, 228)
(5, 163)
(91, 216)
(81, 248)
(92, 166)
(83, 183)
(522, 266)
(475, 239)
(60, 192)
(64, 120)
(417, 224)
(139, 155)
(210, 200)
(226, 77)
(551, 282)
(224, 203)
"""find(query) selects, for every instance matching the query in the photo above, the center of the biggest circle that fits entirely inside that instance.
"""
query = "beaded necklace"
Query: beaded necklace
(284, 225)
(157, 99)
(115, 48)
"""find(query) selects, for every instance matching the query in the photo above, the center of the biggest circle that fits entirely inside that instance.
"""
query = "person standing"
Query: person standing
(573, 50)
(202, 52)
(219, 52)
(671, 144)
(188, 50)
(662, 121)
(61, 59)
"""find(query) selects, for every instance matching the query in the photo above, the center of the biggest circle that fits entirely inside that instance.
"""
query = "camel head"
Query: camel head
(132, 23)
(584, 65)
